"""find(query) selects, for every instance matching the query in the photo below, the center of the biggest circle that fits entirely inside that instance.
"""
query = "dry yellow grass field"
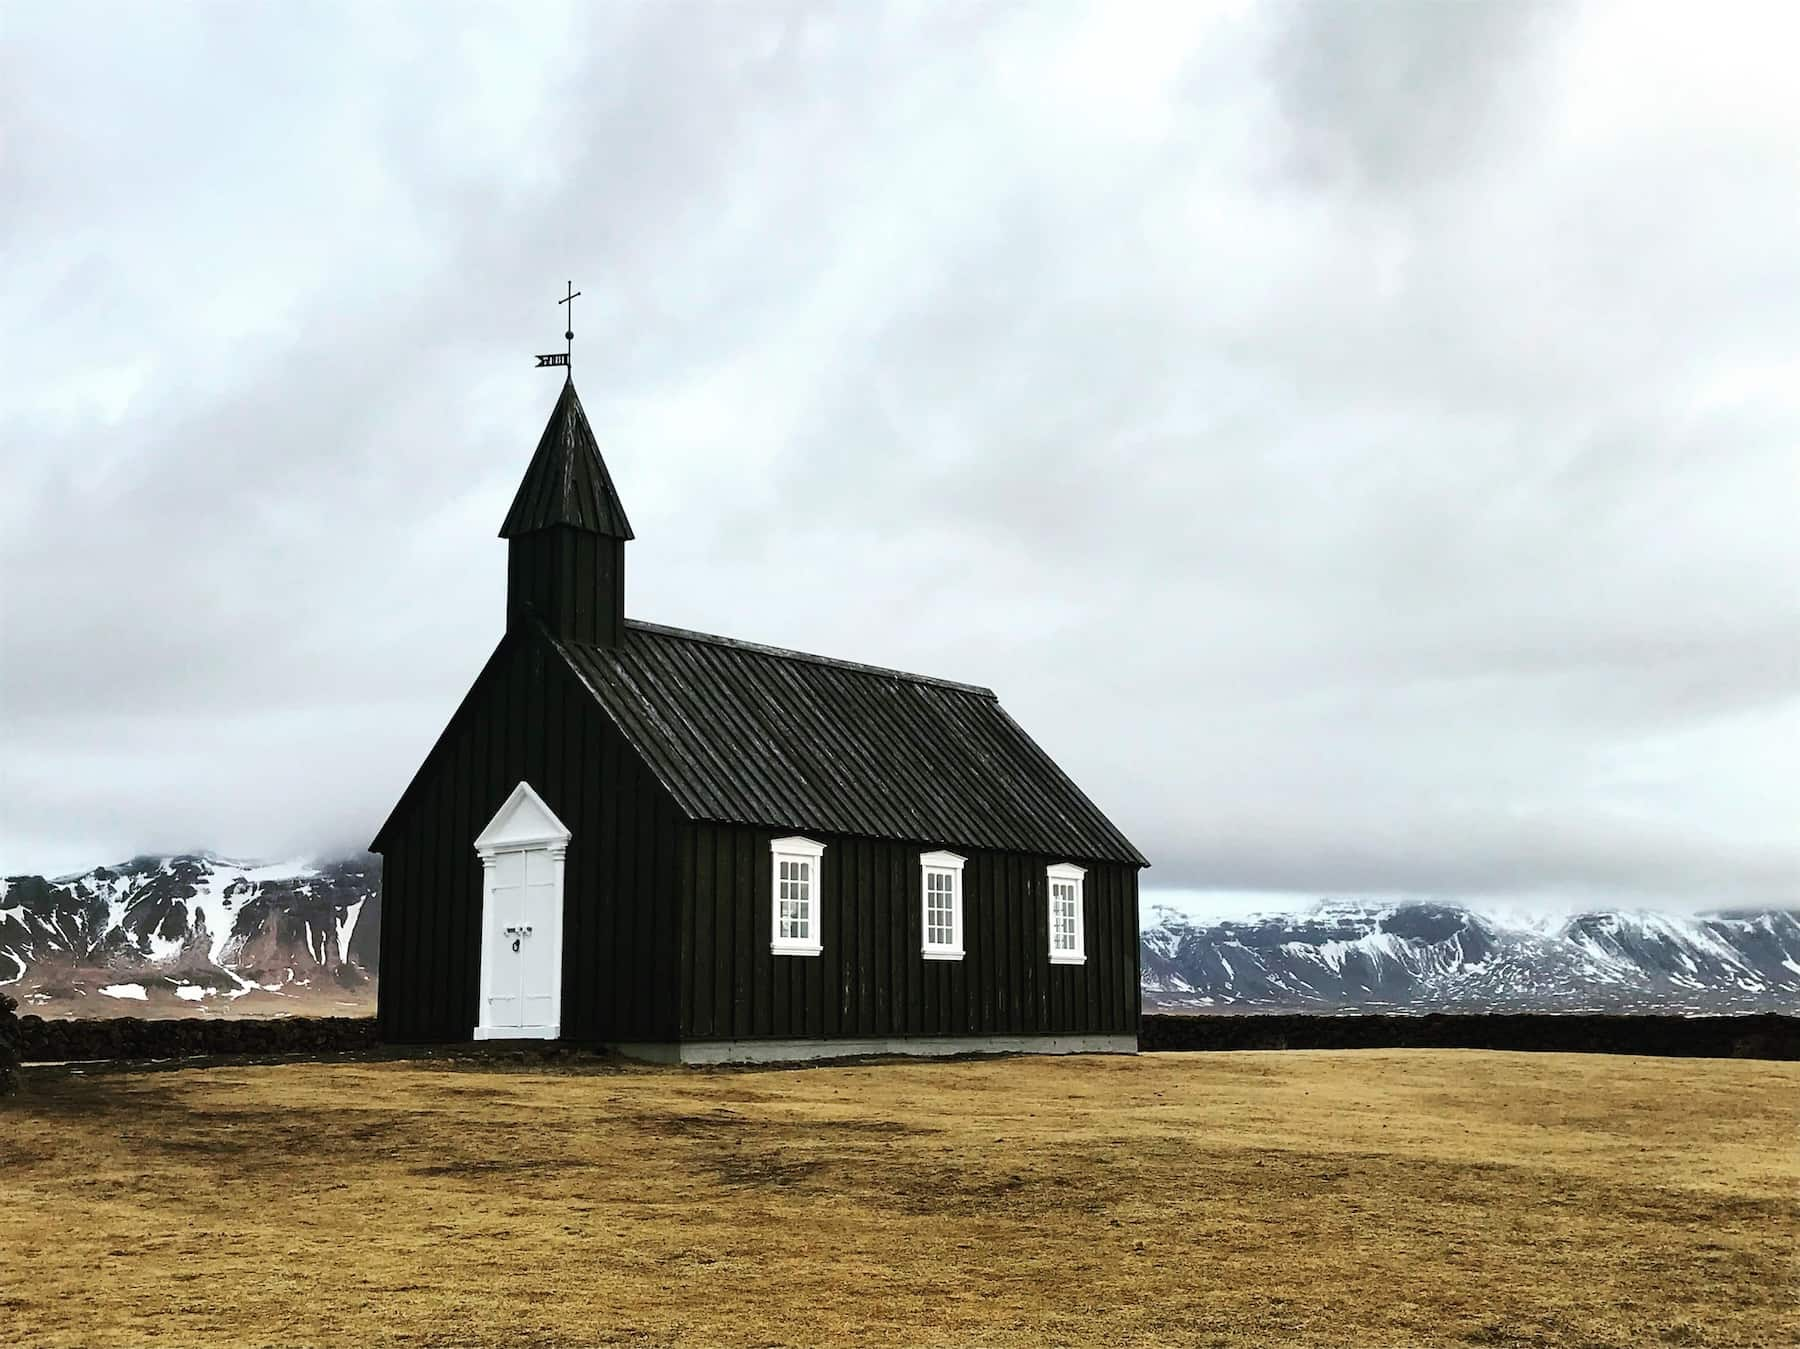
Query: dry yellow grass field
(1373, 1198)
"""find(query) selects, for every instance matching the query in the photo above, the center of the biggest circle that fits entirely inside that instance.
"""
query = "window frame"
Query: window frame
(1067, 873)
(947, 864)
(811, 852)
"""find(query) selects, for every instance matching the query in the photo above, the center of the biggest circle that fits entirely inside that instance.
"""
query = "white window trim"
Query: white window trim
(797, 849)
(1067, 872)
(946, 862)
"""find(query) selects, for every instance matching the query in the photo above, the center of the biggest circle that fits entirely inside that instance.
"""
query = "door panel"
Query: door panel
(506, 908)
(540, 911)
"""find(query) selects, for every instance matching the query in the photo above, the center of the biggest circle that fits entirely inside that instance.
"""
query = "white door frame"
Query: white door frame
(522, 824)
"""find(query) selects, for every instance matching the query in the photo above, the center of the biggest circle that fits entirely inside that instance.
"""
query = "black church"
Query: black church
(699, 849)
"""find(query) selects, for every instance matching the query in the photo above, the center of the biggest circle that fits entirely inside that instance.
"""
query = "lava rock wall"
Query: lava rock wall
(33, 1039)
(130, 1037)
(1768, 1036)
(9, 1046)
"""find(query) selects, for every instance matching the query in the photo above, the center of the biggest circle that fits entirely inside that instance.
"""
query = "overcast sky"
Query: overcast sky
(1358, 440)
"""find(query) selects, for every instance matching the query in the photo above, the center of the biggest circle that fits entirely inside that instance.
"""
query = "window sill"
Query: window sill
(940, 953)
(779, 949)
(1065, 958)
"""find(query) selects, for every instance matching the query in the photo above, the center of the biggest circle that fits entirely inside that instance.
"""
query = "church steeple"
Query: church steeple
(566, 535)
(567, 482)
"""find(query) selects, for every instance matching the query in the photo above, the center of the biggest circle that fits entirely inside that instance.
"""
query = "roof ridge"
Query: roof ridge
(787, 653)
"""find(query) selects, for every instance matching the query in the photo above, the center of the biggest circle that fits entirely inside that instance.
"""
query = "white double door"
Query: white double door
(521, 947)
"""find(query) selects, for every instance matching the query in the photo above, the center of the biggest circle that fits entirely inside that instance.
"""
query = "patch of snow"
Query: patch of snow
(1330, 954)
(135, 991)
(165, 949)
(1373, 947)
(258, 872)
(347, 927)
(191, 992)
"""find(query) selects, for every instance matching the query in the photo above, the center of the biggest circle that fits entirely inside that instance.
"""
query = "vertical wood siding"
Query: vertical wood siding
(870, 980)
(573, 581)
(527, 719)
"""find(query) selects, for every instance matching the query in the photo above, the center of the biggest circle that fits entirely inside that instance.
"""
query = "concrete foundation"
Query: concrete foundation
(921, 1046)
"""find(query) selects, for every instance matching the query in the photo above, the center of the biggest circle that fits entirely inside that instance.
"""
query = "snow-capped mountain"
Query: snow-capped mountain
(1438, 957)
(192, 929)
(196, 932)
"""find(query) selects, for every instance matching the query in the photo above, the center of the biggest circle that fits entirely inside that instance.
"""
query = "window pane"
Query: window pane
(1065, 916)
(940, 909)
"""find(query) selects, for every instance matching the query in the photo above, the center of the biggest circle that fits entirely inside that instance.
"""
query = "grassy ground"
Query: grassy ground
(1375, 1198)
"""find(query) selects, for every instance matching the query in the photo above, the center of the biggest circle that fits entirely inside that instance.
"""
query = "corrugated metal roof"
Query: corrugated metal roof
(567, 482)
(753, 734)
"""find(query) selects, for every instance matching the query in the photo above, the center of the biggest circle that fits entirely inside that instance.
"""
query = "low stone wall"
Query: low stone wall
(9, 1046)
(36, 1040)
(1723, 1037)
(130, 1037)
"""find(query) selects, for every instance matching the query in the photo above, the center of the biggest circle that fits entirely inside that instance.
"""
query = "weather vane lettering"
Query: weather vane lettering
(563, 357)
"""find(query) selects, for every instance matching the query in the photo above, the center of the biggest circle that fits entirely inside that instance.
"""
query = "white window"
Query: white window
(1068, 931)
(795, 887)
(940, 892)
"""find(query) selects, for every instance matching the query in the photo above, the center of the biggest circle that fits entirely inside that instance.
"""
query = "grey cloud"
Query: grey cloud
(1414, 523)
(1392, 96)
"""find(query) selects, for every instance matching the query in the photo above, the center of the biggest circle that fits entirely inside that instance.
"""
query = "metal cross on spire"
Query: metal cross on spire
(566, 358)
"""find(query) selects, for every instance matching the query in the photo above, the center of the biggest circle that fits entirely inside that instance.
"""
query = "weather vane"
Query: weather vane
(555, 358)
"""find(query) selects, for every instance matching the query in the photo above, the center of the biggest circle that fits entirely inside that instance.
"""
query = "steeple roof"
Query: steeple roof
(567, 482)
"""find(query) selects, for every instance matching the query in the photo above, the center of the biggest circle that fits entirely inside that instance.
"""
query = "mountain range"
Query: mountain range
(201, 933)
(1422, 957)
(194, 932)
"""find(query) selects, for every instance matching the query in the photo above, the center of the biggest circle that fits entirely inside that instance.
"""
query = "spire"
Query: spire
(567, 482)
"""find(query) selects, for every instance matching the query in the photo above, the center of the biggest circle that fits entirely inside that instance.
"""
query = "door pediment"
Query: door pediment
(524, 821)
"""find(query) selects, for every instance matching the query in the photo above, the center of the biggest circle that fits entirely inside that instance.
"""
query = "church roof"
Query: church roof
(750, 734)
(567, 482)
